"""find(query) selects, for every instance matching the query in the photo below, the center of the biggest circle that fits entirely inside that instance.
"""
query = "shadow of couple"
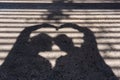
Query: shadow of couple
(84, 63)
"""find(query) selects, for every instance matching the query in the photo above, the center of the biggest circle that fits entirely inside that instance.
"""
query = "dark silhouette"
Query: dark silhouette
(57, 14)
(23, 61)
(83, 63)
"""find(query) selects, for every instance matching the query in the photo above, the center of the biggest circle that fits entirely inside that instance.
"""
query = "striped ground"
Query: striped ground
(104, 23)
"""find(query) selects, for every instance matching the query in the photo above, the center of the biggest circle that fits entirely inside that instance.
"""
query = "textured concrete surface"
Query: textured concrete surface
(105, 23)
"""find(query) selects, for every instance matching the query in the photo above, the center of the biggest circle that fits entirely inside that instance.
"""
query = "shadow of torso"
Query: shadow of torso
(84, 63)
(23, 61)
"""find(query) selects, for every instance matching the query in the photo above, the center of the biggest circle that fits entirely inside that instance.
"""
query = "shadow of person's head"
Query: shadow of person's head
(41, 42)
(64, 42)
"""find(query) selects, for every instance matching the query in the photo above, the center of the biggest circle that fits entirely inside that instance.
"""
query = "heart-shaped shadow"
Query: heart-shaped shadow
(23, 62)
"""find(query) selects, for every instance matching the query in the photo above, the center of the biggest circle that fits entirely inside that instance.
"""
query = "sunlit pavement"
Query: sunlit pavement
(105, 23)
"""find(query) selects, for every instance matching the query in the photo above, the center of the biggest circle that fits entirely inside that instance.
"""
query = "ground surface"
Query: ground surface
(105, 24)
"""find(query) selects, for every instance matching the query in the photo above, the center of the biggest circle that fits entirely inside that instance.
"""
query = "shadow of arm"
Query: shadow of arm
(24, 36)
(89, 38)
